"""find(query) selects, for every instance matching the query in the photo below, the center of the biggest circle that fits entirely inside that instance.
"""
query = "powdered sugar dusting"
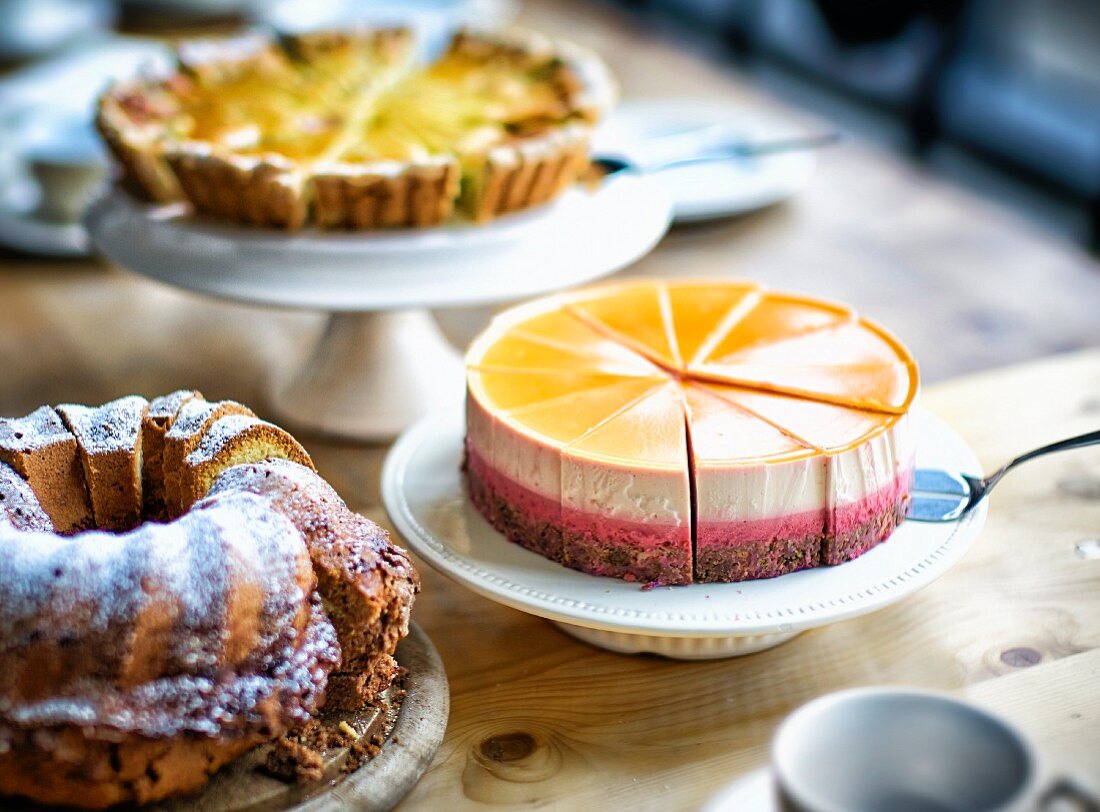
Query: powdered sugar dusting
(40, 428)
(220, 432)
(106, 607)
(222, 704)
(164, 408)
(194, 415)
(19, 506)
(268, 478)
(100, 582)
(114, 426)
(336, 536)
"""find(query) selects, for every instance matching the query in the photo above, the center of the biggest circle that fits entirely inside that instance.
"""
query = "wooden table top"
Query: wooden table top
(540, 718)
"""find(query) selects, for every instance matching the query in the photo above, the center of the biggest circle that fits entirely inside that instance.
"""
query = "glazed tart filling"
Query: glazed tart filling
(675, 432)
(348, 130)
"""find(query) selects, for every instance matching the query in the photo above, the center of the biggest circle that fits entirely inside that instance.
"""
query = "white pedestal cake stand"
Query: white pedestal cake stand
(426, 499)
(382, 361)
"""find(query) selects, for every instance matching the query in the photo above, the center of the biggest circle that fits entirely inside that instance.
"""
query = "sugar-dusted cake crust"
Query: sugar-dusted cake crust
(134, 664)
(199, 637)
(158, 420)
(109, 439)
(192, 420)
(19, 507)
(368, 584)
(234, 439)
(44, 452)
(92, 767)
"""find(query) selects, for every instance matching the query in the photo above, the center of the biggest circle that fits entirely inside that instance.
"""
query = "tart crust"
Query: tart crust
(382, 195)
(518, 176)
(264, 191)
(515, 171)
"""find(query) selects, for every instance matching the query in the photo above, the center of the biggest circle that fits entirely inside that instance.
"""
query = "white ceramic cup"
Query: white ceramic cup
(895, 750)
(67, 159)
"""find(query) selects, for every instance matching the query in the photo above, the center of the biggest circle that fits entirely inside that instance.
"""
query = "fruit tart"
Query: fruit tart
(349, 130)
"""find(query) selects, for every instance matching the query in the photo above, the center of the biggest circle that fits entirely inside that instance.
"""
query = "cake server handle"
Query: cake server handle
(940, 496)
(710, 151)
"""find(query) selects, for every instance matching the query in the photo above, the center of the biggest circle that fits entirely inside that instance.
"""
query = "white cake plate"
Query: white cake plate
(424, 494)
(382, 361)
(641, 131)
(753, 792)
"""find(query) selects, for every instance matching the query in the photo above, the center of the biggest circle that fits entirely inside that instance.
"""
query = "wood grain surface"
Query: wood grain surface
(539, 718)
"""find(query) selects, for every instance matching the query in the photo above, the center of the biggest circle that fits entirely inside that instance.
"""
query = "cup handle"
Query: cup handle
(1063, 789)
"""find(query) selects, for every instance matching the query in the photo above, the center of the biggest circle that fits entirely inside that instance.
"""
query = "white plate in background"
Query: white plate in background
(712, 190)
(753, 792)
(433, 21)
(46, 109)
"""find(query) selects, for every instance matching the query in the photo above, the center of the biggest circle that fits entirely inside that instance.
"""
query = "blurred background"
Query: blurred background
(1002, 96)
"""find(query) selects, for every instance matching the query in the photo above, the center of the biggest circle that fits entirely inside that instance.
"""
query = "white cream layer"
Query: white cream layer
(734, 492)
(725, 492)
(576, 482)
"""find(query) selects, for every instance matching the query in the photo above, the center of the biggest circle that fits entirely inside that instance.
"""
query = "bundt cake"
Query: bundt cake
(109, 441)
(135, 663)
(18, 507)
(158, 420)
(368, 584)
(45, 454)
(229, 441)
(188, 428)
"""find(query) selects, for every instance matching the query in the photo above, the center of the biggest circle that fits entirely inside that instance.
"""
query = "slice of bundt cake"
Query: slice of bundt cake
(367, 583)
(233, 440)
(158, 420)
(45, 454)
(109, 439)
(19, 507)
(191, 423)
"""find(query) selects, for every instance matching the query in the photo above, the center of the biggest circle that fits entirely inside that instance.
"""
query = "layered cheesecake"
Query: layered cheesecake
(675, 432)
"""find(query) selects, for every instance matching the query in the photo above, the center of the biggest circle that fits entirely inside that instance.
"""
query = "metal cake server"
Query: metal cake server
(943, 496)
(701, 146)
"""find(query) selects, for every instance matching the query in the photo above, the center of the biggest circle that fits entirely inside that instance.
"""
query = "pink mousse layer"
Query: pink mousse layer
(849, 518)
(595, 544)
(525, 517)
(633, 551)
(845, 520)
(662, 553)
(731, 534)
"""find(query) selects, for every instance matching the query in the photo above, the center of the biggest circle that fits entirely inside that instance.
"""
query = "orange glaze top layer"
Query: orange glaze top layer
(762, 375)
